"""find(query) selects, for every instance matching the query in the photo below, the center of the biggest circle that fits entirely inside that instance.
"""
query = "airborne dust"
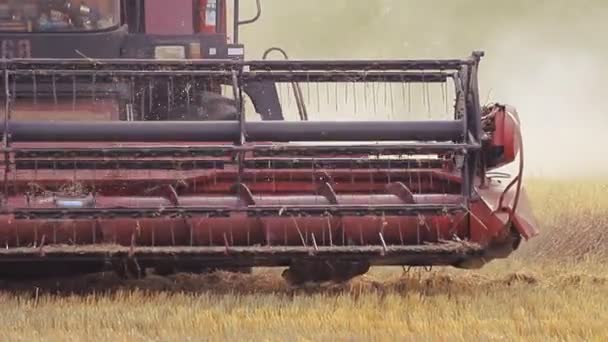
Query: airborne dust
(547, 58)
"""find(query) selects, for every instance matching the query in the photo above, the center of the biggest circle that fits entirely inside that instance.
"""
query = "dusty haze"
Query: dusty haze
(548, 58)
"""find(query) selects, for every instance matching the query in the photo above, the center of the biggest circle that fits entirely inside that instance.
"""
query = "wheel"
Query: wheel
(319, 271)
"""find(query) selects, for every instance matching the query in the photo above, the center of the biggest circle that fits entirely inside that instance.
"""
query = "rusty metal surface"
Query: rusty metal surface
(431, 254)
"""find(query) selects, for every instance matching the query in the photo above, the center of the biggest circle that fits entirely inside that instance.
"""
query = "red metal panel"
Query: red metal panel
(169, 17)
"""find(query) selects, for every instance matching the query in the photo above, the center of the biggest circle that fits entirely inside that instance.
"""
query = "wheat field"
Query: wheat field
(554, 288)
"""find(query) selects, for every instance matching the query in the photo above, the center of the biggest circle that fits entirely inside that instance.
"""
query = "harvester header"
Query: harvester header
(164, 176)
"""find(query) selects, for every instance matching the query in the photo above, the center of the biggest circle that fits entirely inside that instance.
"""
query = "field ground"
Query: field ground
(555, 288)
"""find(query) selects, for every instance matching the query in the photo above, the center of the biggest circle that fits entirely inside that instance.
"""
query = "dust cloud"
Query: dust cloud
(547, 58)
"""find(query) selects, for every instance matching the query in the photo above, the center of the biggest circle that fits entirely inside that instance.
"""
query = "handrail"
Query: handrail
(238, 22)
(297, 90)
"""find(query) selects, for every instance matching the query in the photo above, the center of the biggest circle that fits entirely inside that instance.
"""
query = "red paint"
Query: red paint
(79, 110)
(507, 125)
(239, 229)
(173, 17)
(486, 223)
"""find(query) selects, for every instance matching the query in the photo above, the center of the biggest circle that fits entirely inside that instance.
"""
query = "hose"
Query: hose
(519, 179)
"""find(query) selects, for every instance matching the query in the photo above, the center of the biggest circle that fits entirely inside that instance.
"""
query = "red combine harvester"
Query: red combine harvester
(137, 138)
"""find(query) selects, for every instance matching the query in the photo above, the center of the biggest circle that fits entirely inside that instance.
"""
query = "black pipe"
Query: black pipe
(228, 131)
(283, 131)
(236, 9)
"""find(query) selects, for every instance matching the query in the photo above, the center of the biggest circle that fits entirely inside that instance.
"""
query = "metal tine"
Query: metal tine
(331, 242)
(295, 222)
(355, 96)
(427, 94)
(392, 115)
(54, 82)
(170, 94)
(365, 95)
(384, 247)
(132, 85)
(14, 90)
(187, 93)
(403, 92)
(142, 97)
(337, 96)
(280, 92)
(94, 87)
(409, 168)
(423, 86)
(288, 91)
(444, 97)
(307, 89)
(385, 94)
(375, 97)
(409, 98)
(318, 98)
(35, 86)
(314, 243)
(191, 90)
(150, 94)
(73, 92)
(248, 228)
(345, 94)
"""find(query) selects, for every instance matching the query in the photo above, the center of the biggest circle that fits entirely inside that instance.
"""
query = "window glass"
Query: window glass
(58, 15)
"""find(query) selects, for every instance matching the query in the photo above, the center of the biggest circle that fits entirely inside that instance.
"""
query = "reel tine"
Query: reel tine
(336, 97)
(428, 100)
(94, 86)
(14, 89)
(375, 97)
(444, 96)
(280, 90)
(345, 94)
(365, 95)
(307, 89)
(409, 98)
(318, 91)
(54, 85)
(392, 101)
(35, 87)
(385, 93)
(142, 97)
(150, 96)
(355, 97)
(289, 93)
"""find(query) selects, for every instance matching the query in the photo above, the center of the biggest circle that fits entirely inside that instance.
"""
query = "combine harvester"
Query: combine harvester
(136, 138)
